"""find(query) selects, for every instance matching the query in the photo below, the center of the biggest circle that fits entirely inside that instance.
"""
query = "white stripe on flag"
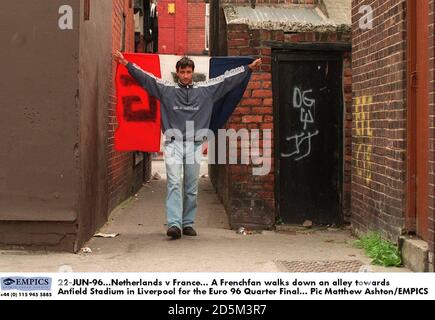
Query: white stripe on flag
(169, 61)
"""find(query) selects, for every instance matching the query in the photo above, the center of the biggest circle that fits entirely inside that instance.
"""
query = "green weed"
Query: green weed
(278, 221)
(383, 252)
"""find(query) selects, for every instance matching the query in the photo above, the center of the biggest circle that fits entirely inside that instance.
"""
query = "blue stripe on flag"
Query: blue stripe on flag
(223, 108)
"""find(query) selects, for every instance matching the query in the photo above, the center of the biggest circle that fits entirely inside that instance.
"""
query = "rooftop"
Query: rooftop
(331, 16)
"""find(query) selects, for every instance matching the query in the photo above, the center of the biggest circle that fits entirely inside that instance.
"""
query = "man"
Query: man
(186, 109)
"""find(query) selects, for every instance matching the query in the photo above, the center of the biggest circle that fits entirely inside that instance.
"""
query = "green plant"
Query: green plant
(278, 221)
(382, 252)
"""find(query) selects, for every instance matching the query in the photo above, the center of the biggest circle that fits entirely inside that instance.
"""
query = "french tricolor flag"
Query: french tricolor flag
(138, 114)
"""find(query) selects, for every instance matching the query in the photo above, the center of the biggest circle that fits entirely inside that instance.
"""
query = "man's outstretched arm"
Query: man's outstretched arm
(119, 57)
(148, 81)
(255, 64)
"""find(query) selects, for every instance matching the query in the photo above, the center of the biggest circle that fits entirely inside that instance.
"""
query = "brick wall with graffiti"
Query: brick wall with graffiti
(379, 117)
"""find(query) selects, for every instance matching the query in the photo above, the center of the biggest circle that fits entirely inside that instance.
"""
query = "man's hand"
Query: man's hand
(255, 64)
(119, 57)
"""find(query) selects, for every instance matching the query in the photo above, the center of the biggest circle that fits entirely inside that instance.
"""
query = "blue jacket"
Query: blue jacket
(183, 103)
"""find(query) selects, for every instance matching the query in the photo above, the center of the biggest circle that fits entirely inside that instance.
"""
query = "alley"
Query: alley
(142, 245)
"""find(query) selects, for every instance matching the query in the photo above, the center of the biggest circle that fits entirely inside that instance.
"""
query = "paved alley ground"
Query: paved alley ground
(142, 245)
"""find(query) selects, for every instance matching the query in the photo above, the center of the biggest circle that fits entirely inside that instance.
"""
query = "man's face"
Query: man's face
(185, 75)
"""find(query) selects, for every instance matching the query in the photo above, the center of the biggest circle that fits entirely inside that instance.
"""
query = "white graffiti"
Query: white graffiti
(300, 101)
(306, 105)
(299, 98)
(299, 138)
(306, 117)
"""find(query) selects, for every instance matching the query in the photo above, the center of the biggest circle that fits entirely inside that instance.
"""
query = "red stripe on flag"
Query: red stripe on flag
(138, 113)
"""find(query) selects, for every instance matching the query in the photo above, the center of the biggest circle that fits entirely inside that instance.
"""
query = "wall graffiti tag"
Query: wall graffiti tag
(364, 152)
(300, 142)
(302, 102)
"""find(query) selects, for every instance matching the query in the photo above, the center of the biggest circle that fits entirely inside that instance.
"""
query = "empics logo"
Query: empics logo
(26, 284)
(8, 282)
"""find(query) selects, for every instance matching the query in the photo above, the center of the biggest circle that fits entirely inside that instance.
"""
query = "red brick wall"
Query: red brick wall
(432, 133)
(250, 199)
(379, 114)
(166, 28)
(196, 27)
(172, 27)
(120, 165)
(184, 31)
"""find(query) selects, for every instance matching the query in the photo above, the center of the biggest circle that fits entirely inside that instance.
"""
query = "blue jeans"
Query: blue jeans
(181, 199)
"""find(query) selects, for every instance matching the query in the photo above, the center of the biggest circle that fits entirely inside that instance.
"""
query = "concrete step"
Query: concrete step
(415, 254)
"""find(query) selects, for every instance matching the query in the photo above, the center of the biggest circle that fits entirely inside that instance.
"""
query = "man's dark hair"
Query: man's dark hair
(184, 63)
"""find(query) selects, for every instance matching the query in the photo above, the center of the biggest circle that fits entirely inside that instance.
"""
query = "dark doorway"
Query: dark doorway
(308, 109)
(147, 32)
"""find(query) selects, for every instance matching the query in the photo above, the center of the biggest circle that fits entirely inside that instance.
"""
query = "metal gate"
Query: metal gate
(308, 109)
